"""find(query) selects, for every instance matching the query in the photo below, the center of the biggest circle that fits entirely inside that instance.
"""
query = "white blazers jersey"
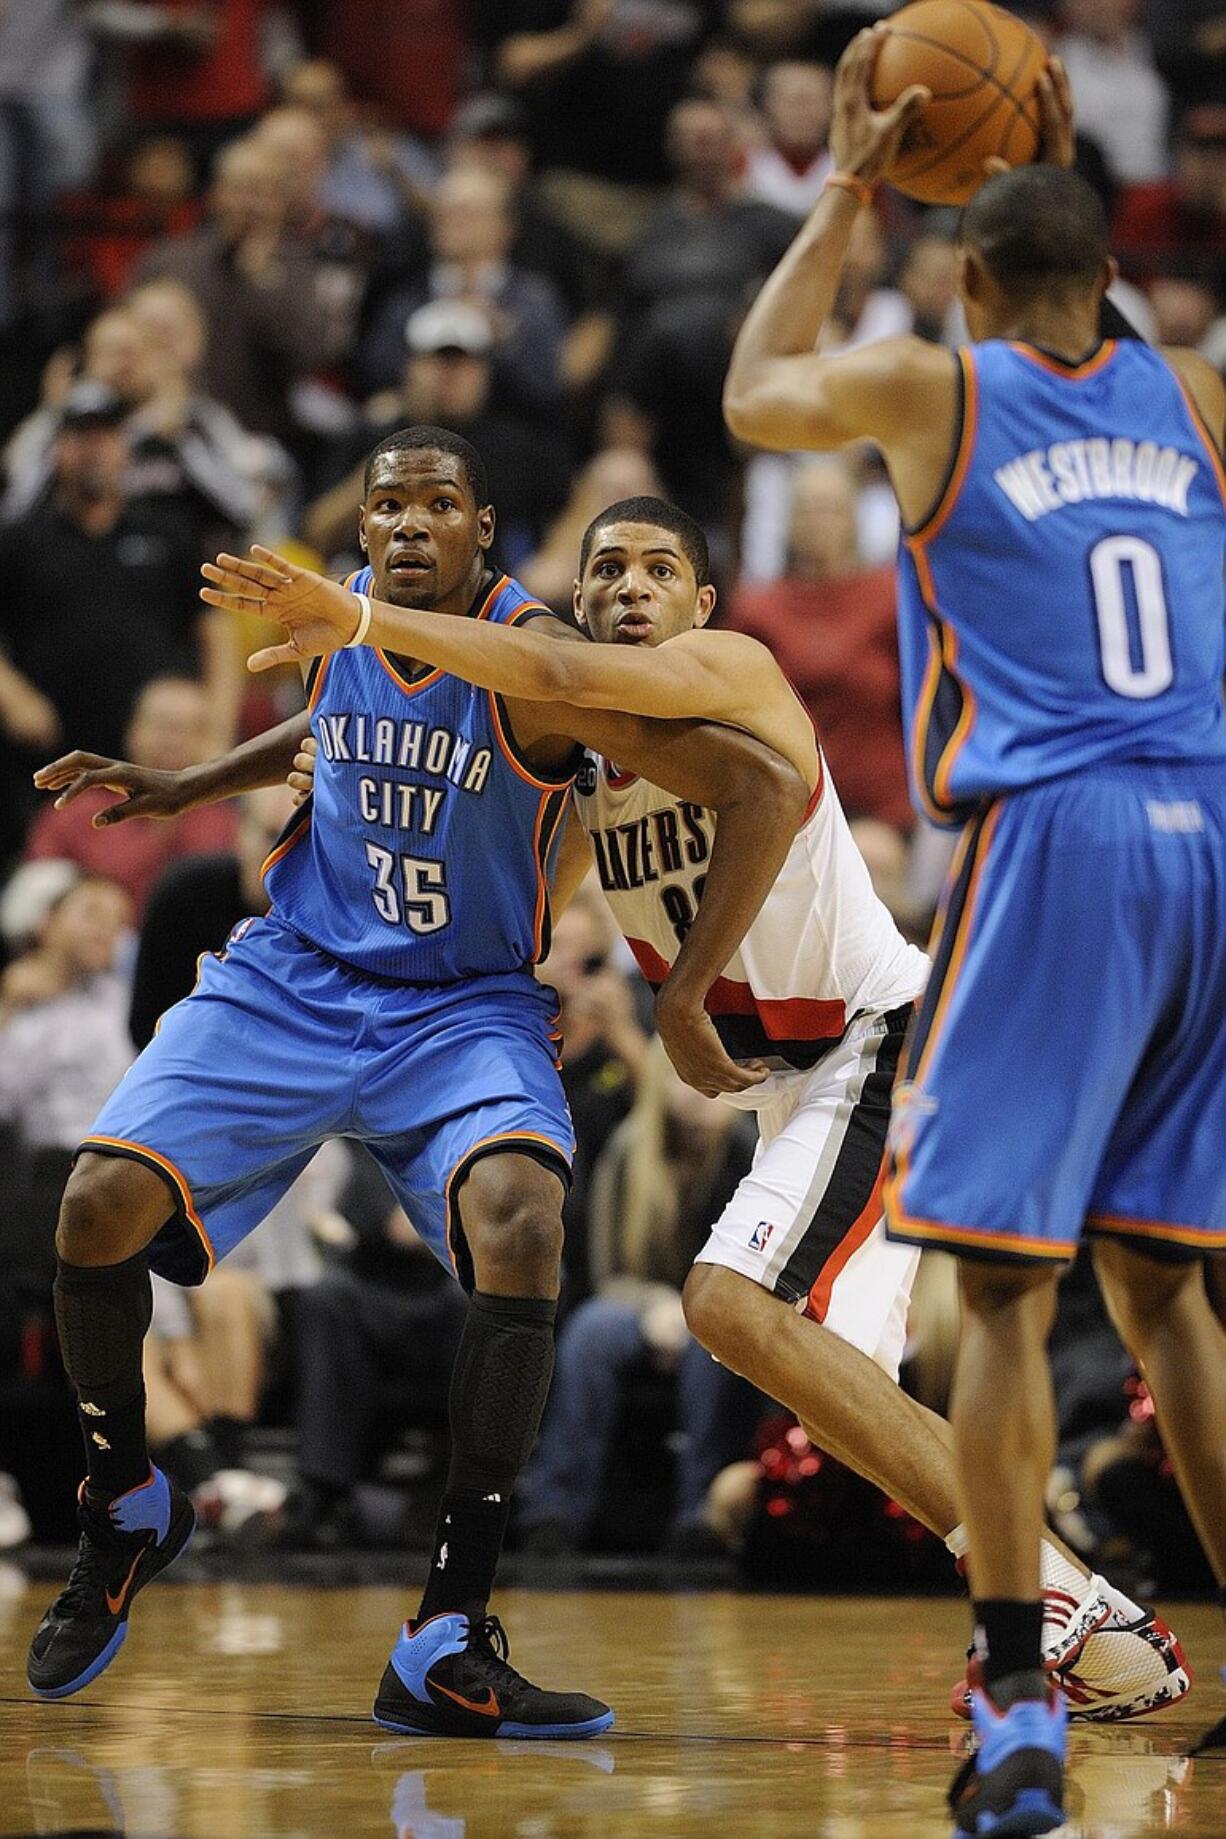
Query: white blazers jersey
(822, 951)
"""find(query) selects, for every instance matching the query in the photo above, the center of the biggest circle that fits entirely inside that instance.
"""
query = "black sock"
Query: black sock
(1009, 1635)
(101, 1314)
(191, 1458)
(498, 1391)
(228, 1434)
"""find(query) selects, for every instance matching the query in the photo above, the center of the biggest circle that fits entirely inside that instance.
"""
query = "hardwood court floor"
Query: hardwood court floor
(240, 1712)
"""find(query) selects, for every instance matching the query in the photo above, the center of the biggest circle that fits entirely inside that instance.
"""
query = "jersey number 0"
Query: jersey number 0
(1152, 670)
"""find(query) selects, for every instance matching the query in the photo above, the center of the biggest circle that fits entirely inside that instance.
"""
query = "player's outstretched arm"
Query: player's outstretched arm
(711, 676)
(146, 791)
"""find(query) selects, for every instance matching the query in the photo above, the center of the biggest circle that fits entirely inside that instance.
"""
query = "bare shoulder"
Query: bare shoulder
(1203, 383)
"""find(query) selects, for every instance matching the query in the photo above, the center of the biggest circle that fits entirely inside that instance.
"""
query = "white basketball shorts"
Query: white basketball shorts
(806, 1222)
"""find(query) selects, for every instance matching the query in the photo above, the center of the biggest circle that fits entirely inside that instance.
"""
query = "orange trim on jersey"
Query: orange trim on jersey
(1075, 372)
(859, 1230)
(177, 1180)
(954, 1236)
(317, 686)
(541, 846)
(283, 848)
(1203, 429)
(942, 657)
(961, 938)
(530, 606)
(512, 758)
(422, 683)
(938, 518)
(1206, 1237)
(499, 1136)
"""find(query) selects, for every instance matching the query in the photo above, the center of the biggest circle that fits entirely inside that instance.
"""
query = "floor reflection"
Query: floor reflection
(240, 1714)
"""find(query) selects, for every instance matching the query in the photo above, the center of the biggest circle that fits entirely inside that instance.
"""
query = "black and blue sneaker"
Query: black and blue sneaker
(123, 1547)
(1014, 1782)
(451, 1678)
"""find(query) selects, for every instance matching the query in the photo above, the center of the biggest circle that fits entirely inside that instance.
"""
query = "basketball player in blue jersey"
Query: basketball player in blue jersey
(1061, 614)
(389, 997)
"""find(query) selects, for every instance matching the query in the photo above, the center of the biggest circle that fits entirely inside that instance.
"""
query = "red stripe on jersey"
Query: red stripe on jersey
(786, 1018)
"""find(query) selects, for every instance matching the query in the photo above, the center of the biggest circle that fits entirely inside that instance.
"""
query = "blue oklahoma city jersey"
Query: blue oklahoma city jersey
(1063, 606)
(425, 852)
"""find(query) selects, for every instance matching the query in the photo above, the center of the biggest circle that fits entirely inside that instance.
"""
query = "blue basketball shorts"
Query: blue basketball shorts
(1067, 1070)
(280, 1047)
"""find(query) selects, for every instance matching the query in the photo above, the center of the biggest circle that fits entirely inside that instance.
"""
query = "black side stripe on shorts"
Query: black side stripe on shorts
(847, 1192)
(955, 907)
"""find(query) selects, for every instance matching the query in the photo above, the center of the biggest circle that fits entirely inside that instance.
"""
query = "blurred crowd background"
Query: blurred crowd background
(239, 241)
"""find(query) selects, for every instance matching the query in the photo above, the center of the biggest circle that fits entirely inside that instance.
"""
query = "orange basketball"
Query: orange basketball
(981, 65)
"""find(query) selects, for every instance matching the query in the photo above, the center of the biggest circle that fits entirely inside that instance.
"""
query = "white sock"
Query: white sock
(1123, 1609)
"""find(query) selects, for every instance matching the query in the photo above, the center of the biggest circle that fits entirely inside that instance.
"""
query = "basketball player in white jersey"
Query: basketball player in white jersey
(797, 1288)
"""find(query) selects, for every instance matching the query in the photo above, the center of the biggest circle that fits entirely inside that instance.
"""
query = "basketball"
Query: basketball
(981, 65)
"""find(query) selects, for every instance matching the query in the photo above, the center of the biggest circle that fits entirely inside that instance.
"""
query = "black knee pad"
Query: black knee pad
(102, 1313)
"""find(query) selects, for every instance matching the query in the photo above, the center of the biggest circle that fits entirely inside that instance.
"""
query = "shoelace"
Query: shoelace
(489, 1639)
(88, 1578)
(102, 1558)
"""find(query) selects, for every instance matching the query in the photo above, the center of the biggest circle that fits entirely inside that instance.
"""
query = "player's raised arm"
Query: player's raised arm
(779, 392)
(146, 791)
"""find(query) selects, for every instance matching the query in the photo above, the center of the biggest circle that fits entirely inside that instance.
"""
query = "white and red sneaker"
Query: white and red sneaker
(1129, 1664)
(1125, 1670)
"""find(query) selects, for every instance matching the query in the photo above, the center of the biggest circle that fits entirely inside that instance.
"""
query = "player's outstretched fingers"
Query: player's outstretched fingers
(60, 772)
(233, 593)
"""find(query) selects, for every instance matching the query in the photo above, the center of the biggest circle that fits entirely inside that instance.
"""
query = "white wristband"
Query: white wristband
(364, 618)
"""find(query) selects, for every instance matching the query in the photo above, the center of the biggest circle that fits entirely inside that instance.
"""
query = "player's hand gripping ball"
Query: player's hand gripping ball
(983, 68)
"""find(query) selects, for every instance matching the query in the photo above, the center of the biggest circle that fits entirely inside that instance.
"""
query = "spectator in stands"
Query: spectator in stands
(604, 1049)
(1186, 214)
(665, 1175)
(195, 68)
(198, 899)
(109, 226)
(63, 1020)
(472, 227)
(449, 382)
(830, 623)
(926, 280)
(385, 1313)
(169, 730)
(263, 297)
(1188, 312)
(558, 55)
(205, 1370)
(609, 476)
(791, 167)
(493, 132)
(373, 175)
(1121, 101)
(708, 242)
(101, 594)
(48, 139)
(1189, 40)
(185, 450)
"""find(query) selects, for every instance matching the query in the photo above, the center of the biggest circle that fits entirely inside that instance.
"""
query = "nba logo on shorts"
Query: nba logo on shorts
(759, 1238)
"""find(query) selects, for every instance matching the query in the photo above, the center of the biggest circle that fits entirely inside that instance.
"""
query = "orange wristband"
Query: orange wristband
(848, 182)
